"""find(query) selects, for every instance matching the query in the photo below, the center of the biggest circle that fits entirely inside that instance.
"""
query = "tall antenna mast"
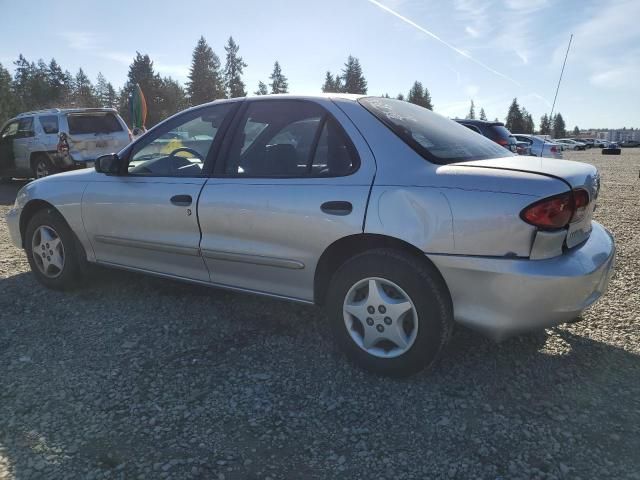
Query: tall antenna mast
(553, 106)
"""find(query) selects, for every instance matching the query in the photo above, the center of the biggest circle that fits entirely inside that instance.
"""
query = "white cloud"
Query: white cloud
(472, 90)
(526, 6)
(81, 40)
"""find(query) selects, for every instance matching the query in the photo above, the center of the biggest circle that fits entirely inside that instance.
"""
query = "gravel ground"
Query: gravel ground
(135, 377)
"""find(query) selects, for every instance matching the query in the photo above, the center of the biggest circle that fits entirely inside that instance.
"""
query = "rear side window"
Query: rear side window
(500, 131)
(49, 123)
(100, 122)
(289, 138)
(433, 136)
(25, 128)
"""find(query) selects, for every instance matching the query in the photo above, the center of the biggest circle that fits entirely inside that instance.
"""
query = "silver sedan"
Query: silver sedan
(540, 147)
(398, 221)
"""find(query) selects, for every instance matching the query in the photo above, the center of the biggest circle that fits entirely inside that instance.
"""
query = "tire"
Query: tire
(62, 275)
(426, 327)
(41, 166)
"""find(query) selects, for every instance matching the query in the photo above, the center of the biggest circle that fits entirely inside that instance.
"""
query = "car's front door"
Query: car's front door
(7, 158)
(295, 178)
(146, 219)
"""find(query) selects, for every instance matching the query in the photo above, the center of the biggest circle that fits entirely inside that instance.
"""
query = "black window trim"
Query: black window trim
(219, 170)
(168, 125)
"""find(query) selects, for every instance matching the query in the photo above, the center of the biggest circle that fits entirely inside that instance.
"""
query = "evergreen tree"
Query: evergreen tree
(483, 116)
(354, 81)
(141, 72)
(101, 90)
(337, 84)
(420, 96)
(279, 82)
(111, 98)
(385, 95)
(558, 126)
(40, 92)
(205, 77)
(472, 111)
(8, 104)
(22, 75)
(83, 91)
(545, 125)
(400, 97)
(527, 122)
(172, 97)
(514, 121)
(233, 69)
(576, 131)
(60, 85)
(329, 85)
(262, 89)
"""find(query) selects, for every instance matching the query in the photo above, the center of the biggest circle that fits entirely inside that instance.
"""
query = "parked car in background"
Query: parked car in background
(523, 148)
(495, 131)
(589, 142)
(540, 147)
(39, 143)
(599, 143)
(348, 202)
(630, 143)
(570, 144)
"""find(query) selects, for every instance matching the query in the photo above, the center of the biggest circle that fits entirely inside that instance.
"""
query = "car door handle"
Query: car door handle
(337, 208)
(182, 200)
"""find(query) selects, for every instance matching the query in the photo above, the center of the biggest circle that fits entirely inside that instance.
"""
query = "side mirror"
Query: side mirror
(109, 164)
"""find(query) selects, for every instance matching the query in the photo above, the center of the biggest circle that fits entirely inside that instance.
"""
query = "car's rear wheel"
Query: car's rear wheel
(42, 167)
(391, 312)
(53, 251)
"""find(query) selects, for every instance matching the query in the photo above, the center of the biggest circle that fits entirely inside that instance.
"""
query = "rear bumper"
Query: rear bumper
(502, 297)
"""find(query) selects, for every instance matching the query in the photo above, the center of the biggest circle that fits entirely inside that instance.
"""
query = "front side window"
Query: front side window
(433, 136)
(49, 123)
(180, 147)
(289, 138)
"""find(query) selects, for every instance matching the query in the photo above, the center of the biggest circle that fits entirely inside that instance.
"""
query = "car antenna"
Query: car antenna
(553, 106)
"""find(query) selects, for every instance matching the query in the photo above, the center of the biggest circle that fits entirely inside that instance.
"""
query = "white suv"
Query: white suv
(39, 143)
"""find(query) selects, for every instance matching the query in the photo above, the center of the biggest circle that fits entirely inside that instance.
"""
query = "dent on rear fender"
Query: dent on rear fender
(418, 215)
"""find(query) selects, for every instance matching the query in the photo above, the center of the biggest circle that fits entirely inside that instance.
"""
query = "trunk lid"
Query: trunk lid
(575, 175)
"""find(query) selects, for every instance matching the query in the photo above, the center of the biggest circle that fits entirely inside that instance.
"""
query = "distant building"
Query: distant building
(621, 135)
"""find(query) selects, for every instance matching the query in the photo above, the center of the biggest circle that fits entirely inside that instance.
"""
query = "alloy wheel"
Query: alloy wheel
(48, 251)
(42, 169)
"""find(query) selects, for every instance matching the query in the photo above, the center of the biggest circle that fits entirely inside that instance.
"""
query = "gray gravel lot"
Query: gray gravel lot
(135, 377)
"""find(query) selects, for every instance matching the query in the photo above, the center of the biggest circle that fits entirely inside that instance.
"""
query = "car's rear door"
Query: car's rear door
(146, 219)
(294, 178)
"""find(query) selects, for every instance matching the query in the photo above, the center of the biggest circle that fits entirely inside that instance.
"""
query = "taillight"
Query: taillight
(557, 211)
(581, 200)
(553, 149)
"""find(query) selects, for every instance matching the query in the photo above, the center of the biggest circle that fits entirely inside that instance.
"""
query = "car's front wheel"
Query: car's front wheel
(391, 312)
(53, 251)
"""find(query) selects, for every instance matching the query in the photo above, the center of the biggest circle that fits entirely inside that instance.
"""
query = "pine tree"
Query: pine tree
(205, 77)
(419, 96)
(60, 85)
(354, 81)
(279, 82)
(337, 84)
(558, 126)
(329, 85)
(172, 97)
(483, 116)
(385, 95)
(111, 98)
(101, 90)
(527, 122)
(545, 125)
(8, 104)
(514, 121)
(576, 131)
(141, 72)
(472, 111)
(83, 91)
(233, 69)
(262, 89)
(400, 97)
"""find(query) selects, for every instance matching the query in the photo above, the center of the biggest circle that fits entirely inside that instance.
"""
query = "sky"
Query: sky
(486, 50)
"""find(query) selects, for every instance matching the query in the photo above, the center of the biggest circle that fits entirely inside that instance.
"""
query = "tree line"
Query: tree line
(40, 85)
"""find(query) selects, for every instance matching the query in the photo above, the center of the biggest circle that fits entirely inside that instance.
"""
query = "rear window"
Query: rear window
(500, 131)
(101, 122)
(433, 136)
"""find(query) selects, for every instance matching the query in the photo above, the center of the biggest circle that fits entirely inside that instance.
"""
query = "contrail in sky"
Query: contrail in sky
(447, 44)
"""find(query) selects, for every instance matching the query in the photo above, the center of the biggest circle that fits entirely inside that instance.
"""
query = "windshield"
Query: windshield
(433, 136)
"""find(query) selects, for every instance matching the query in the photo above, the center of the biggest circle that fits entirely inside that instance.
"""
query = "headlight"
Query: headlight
(21, 198)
